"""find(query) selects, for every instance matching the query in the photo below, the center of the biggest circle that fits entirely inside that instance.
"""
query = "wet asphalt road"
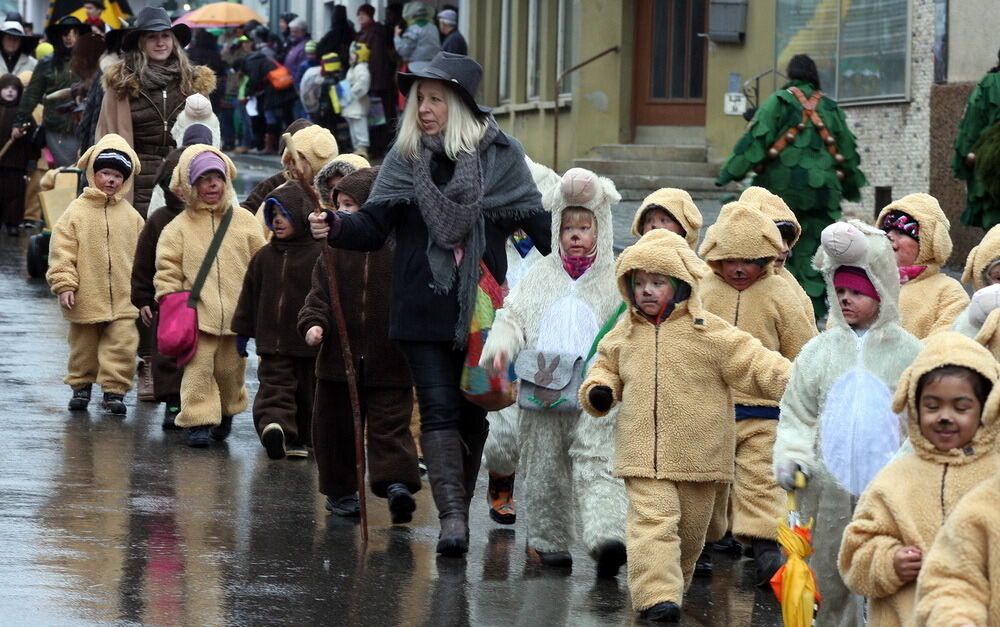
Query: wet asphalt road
(111, 521)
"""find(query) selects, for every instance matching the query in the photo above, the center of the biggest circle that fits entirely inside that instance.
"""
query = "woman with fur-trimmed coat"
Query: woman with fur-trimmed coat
(146, 91)
(559, 307)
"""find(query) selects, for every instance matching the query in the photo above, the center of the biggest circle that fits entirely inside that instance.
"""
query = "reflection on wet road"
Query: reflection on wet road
(105, 520)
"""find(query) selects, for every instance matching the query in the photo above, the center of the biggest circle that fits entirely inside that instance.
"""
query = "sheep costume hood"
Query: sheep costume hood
(197, 110)
(981, 259)
(839, 370)
(909, 500)
(546, 179)
(343, 165)
(930, 301)
(679, 204)
(548, 310)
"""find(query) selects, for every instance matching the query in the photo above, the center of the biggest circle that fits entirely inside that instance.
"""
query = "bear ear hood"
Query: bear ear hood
(950, 349)
(662, 252)
(773, 207)
(981, 257)
(111, 141)
(180, 184)
(583, 188)
(680, 205)
(742, 231)
(935, 228)
(313, 143)
(854, 243)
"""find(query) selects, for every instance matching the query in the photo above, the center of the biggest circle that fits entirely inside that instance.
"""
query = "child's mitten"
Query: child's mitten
(601, 398)
(983, 303)
(786, 471)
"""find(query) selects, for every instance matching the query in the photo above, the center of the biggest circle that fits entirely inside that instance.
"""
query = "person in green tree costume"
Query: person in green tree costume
(977, 152)
(800, 148)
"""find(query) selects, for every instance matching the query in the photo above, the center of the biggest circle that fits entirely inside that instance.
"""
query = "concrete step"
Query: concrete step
(670, 135)
(647, 181)
(631, 193)
(609, 167)
(650, 152)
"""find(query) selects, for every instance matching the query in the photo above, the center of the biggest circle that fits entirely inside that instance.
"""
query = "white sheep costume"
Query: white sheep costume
(502, 449)
(566, 459)
(842, 382)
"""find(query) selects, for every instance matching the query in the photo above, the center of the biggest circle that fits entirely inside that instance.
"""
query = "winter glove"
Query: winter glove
(601, 397)
(787, 473)
(241, 345)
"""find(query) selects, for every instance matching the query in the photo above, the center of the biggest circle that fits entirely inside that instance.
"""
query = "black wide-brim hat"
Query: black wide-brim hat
(462, 73)
(55, 30)
(154, 20)
(114, 37)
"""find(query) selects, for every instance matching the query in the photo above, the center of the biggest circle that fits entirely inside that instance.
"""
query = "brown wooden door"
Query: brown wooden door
(669, 81)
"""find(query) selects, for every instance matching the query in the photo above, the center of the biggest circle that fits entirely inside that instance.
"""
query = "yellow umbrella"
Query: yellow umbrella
(795, 583)
(220, 15)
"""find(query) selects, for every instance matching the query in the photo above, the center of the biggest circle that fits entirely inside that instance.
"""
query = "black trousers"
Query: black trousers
(437, 370)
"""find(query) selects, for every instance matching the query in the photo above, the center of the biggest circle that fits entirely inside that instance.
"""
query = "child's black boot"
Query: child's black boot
(221, 431)
(113, 403)
(80, 398)
(665, 612)
(170, 410)
(198, 437)
(768, 559)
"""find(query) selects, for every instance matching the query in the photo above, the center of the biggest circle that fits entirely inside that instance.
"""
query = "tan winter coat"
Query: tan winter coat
(93, 245)
(184, 243)
(931, 301)
(959, 582)
(680, 205)
(775, 208)
(908, 501)
(676, 421)
(765, 309)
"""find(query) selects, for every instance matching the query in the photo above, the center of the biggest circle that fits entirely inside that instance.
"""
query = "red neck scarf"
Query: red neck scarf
(908, 273)
(576, 266)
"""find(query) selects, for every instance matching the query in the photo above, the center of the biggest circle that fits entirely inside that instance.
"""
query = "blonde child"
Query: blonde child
(959, 582)
(837, 423)
(671, 364)
(671, 209)
(944, 393)
(356, 112)
(212, 388)
(557, 309)
(929, 301)
(90, 267)
(741, 248)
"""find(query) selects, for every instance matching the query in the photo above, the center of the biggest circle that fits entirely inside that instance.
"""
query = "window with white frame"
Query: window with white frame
(861, 47)
(534, 61)
(566, 40)
(505, 50)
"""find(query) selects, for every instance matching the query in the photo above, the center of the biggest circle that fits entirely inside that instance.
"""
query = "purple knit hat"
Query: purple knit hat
(205, 162)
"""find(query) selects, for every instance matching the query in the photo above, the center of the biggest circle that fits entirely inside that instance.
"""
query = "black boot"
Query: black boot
(80, 398)
(703, 567)
(114, 403)
(472, 457)
(768, 559)
(171, 408)
(444, 454)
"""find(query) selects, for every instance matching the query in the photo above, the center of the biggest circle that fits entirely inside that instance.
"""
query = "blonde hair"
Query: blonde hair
(462, 133)
(136, 63)
(578, 213)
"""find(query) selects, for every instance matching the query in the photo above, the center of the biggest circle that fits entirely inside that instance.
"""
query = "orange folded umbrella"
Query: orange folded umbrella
(795, 583)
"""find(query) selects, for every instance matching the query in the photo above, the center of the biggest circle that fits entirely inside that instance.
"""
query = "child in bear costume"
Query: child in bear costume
(954, 441)
(502, 450)
(559, 307)
(671, 209)
(671, 365)
(842, 383)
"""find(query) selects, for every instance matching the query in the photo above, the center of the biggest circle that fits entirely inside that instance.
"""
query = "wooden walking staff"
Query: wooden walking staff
(338, 317)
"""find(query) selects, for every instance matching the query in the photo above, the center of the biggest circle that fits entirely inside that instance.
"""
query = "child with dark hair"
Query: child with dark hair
(90, 266)
(929, 300)
(899, 515)
(363, 280)
(14, 163)
(274, 290)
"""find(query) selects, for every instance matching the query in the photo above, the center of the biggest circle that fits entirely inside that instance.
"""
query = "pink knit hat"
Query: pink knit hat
(205, 162)
(856, 279)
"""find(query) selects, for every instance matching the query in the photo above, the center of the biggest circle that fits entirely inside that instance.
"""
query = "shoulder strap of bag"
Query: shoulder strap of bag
(213, 252)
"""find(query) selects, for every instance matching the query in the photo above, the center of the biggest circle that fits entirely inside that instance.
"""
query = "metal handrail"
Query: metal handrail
(754, 100)
(559, 80)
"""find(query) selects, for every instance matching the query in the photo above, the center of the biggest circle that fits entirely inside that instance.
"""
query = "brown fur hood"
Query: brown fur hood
(115, 80)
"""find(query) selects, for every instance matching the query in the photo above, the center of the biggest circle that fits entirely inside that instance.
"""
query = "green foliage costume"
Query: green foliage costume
(804, 173)
(979, 134)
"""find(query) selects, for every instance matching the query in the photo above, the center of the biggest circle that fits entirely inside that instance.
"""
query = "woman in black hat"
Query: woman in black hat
(53, 73)
(451, 190)
(17, 48)
(145, 92)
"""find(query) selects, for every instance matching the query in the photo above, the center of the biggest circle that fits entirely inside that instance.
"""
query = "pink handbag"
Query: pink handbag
(177, 332)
